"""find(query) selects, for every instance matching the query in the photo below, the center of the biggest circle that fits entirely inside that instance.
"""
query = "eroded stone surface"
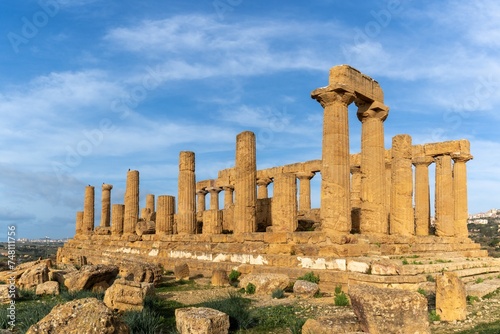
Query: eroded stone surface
(47, 288)
(305, 288)
(201, 320)
(87, 276)
(451, 303)
(265, 283)
(87, 315)
(126, 295)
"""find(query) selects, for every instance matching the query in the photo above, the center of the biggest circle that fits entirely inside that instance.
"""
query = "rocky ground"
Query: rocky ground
(485, 310)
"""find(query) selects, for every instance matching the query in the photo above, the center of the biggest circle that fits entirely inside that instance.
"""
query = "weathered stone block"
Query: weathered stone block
(305, 288)
(329, 325)
(87, 315)
(90, 275)
(389, 310)
(265, 283)
(451, 301)
(47, 288)
(127, 295)
(219, 278)
(181, 271)
(201, 320)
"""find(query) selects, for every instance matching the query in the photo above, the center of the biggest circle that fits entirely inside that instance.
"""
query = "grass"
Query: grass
(340, 298)
(405, 262)
(433, 316)
(484, 328)
(181, 285)
(479, 280)
(158, 316)
(472, 299)
(238, 309)
(310, 277)
(281, 316)
(278, 294)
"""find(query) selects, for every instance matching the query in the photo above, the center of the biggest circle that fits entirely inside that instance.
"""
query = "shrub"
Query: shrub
(341, 299)
(479, 280)
(422, 292)
(234, 275)
(472, 299)
(250, 289)
(430, 278)
(310, 277)
(278, 294)
(405, 261)
(236, 307)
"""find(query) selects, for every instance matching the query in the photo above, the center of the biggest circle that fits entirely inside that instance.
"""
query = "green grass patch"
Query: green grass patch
(250, 289)
(433, 316)
(443, 261)
(405, 262)
(278, 294)
(472, 299)
(281, 316)
(310, 277)
(479, 280)
(484, 328)
(238, 309)
(181, 285)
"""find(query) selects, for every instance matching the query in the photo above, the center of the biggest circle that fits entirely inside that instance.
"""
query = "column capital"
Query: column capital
(355, 169)
(107, 186)
(422, 161)
(373, 109)
(305, 175)
(228, 188)
(201, 191)
(328, 95)
(264, 181)
(461, 157)
(214, 190)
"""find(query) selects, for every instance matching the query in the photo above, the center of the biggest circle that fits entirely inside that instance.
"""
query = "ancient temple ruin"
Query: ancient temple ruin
(375, 206)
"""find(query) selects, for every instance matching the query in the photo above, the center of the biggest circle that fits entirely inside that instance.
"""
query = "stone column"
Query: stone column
(373, 211)
(402, 219)
(131, 214)
(356, 199)
(165, 214)
(150, 204)
(284, 206)
(214, 197)
(201, 200)
(444, 204)
(106, 205)
(79, 222)
(305, 190)
(245, 184)
(422, 196)
(186, 216)
(460, 193)
(228, 196)
(262, 184)
(335, 170)
(88, 210)
(388, 185)
(117, 215)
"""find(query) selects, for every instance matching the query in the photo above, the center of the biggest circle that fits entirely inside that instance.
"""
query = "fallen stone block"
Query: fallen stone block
(265, 283)
(47, 288)
(451, 300)
(201, 320)
(126, 295)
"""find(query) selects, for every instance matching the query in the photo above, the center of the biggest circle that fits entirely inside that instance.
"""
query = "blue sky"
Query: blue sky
(91, 88)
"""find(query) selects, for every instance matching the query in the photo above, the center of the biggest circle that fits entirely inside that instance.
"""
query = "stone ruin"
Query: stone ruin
(374, 211)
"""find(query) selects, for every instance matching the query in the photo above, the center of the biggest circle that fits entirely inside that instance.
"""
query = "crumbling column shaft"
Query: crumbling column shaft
(305, 191)
(402, 216)
(284, 206)
(118, 211)
(245, 184)
(201, 200)
(262, 188)
(422, 196)
(106, 205)
(131, 214)
(165, 214)
(460, 194)
(79, 222)
(186, 216)
(373, 209)
(88, 210)
(228, 196)
(335, 170)
(445, 209)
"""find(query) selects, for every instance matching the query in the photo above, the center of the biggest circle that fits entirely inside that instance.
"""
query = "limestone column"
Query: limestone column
(262, 184)
(201, 200)
(117, 215)
(356, 199)
(131, 213)
(388, 185)
(402, 219)
(305, 190)
(79, 222)
(228, 196)
(150, 204)
(373, 211)
(444, 201)
(284, 206)
(214, 197)
(245, 184)
(335, 170)
(106, 205)
(422, 196)
(165, 214)
(460, 193)
(88, 210)
(186, 216)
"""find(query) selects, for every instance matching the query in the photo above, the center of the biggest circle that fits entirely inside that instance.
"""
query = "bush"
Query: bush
(472, 299)
(278, 294)
(422, 292)
(236, 307)
(479, 280)
(234, 275)
(341, 298)
(310, 277)
(250, 289)
(430, 278)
